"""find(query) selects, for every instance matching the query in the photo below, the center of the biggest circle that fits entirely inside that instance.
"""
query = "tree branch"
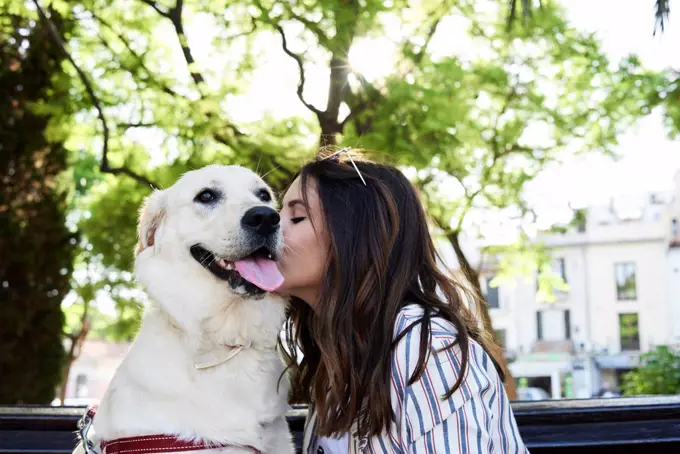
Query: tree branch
(482, 308)
(301, 68)
(176, 19)
(175, 16)
(311, 26)
(358, 109)
(421, 53)
(526, 11)
(228, 141)
(104, 166)
(153, 4)
(661, 13)
(139, 124)
(139, 59)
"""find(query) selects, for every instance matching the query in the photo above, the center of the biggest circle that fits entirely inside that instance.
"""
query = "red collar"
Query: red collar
(149, 444)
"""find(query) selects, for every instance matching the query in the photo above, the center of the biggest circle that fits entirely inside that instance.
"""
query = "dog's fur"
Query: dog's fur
(192, 313)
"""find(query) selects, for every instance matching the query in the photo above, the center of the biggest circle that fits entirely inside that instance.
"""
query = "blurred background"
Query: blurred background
(542, 135)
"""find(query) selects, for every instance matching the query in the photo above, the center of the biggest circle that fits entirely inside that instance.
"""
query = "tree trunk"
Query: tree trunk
(70, 358)
(36, 249)
(473, 278)
(74, 350)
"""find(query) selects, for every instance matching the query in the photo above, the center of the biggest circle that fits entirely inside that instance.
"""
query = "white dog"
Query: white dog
(203, 372)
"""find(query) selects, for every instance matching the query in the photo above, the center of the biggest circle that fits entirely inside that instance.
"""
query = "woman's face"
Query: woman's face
(303, 262)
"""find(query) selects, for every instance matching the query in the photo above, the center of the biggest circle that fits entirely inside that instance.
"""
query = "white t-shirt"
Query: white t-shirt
(327, 445)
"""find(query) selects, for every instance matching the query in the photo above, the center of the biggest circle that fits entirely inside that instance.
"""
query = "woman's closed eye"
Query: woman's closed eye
(297, 220)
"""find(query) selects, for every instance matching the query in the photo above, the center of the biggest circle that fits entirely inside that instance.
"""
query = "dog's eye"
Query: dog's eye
(264, 195)
(206, 196)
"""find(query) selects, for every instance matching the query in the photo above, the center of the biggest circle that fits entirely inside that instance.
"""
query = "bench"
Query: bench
(627, 425)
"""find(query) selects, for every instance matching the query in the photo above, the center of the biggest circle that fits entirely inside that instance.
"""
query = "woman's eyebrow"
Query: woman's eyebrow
(294, 202)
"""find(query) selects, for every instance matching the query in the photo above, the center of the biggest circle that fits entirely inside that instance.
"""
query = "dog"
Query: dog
(204, 371)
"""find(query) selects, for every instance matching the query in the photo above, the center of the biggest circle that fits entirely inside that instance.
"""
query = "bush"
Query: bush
(659, 373)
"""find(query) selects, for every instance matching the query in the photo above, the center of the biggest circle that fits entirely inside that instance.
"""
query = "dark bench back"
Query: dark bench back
(630, 425)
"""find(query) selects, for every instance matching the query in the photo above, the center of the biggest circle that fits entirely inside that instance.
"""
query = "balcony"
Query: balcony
(556, 346)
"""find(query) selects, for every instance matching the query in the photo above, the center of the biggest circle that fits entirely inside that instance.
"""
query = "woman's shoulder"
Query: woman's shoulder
(409, 317)
(419, 398)
(443, 333)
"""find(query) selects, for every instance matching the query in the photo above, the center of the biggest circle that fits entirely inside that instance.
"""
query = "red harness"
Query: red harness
(145, 444)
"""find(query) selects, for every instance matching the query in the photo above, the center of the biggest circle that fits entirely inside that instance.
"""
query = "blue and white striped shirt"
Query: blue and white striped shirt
(476, 419)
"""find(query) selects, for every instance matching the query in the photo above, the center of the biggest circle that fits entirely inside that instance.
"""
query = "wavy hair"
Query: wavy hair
(381, 259)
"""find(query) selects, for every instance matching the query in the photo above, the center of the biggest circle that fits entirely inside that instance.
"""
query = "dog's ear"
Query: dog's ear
(150, 218)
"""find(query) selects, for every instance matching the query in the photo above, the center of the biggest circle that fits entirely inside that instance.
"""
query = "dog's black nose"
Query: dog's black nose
(263, 220)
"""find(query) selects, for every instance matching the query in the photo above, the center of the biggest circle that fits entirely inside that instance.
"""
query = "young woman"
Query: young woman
(392, 358)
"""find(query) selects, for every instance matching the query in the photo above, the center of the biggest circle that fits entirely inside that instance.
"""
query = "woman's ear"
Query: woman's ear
(151, 216)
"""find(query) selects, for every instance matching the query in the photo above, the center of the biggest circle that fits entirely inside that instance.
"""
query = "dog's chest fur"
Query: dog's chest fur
(157, 390)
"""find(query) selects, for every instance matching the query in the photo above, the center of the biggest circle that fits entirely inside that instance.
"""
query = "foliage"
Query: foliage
(662, 89)
(662, 9)
(479, 128)
(36, 247)
(475, 129)
(120, 68)
(108, 296)
(149, 101)
(527, 258)
(659, 373)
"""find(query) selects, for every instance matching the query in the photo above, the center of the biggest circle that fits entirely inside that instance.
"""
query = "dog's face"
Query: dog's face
(212, 236)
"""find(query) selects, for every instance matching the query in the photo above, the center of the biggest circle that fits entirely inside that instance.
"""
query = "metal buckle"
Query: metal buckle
(84, 425)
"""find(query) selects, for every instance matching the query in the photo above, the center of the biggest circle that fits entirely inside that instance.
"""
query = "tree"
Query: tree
(659, 373)
(663, 90)
(476, 130)
(462, 125)
(187, 113)
(662, 9)
(110, 172)
(36, 247)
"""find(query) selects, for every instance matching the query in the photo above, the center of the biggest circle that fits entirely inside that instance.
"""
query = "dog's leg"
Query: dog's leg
(280, 439)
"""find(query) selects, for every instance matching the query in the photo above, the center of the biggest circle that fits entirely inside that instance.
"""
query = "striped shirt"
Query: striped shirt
(476, 419)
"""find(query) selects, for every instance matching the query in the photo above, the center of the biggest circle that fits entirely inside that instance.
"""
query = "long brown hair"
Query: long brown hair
(381, 259)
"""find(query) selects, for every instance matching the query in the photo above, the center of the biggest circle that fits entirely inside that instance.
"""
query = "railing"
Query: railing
(627, 425)
(557, 346)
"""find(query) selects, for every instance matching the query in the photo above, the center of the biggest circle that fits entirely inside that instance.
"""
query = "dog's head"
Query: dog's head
(211, 238)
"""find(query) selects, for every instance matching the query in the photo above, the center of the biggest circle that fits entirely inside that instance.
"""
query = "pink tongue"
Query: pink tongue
(260, 271)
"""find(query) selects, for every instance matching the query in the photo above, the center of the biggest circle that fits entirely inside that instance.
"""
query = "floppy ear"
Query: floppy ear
(150, 218)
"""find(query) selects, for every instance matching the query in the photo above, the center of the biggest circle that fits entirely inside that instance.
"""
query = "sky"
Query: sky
(648, 159)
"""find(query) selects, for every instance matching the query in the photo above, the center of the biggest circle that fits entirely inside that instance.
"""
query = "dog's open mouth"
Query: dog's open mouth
(253, 275)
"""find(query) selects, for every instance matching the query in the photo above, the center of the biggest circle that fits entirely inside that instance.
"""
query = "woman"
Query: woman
(392, 359)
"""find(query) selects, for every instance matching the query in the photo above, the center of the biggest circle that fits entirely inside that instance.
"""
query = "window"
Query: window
(491, 294)
(500, 337)
(539, 325)
(567, 324)
(629, 332)
(560, 268)
(626, 288)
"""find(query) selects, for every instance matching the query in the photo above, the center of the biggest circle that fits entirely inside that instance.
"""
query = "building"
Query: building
(92, 371)
(673, 256)
(622, 266)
